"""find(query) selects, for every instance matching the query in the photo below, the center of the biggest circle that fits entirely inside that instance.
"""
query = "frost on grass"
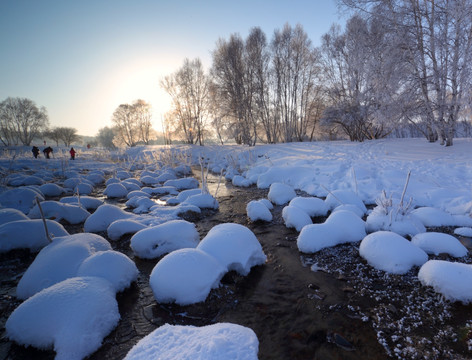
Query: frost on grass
(411, 321)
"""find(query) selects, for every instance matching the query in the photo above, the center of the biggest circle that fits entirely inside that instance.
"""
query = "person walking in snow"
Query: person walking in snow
(35, 151)
(72, 153)
(47, 151)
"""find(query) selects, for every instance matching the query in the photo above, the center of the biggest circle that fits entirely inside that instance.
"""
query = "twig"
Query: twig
(44, 220)
(404, 188)
(324, 187)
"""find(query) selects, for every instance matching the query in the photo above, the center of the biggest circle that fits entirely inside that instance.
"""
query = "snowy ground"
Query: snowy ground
(412, 189)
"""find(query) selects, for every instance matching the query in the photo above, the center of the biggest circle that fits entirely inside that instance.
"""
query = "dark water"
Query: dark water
(295, 312)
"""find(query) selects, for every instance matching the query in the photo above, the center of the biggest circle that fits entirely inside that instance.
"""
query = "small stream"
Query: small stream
(296, 313)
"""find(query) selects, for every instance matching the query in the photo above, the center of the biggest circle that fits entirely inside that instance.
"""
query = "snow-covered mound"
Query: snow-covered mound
(280, 193)
(220, 341)
(72, 316)
(436, 217)
(155, 241)
(258, 210)
(451, 279)
(55, 210)
(390, 252)
(22, 198)
(437, 243)
(28, 234)
(122, 227)
(203, 201)
(51, 189)
(344, 197)
(88, 202)
(463, 231)
(104, 216)
(59, 261)
(340, 227)
(111, 265)
(115, 190)
(183, 183)
(234, 246)
(311, 205)
(295, 217)
(185, 276)
(9, 215)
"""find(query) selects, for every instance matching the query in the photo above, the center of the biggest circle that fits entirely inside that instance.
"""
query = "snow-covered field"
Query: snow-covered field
(385, 195)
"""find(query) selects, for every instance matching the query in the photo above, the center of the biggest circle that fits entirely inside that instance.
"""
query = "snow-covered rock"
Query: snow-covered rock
(9, 215)
(104, 216)
(55, 210)
(22, 198)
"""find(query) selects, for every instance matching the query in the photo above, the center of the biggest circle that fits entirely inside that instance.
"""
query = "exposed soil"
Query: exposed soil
(330, 305)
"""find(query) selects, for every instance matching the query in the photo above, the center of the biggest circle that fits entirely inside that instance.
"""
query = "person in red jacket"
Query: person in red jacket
(72, 153)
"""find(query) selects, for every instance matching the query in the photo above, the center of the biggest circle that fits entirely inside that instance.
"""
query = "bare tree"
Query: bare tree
(21, 121)
(438, 47)
(189, 90)
(132, 123)
(105, 137)
(68, 135)
(294, 66)
(143, 121)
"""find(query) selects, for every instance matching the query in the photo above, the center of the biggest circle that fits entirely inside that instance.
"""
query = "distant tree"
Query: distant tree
(21, 121)
(132, 123)
(105, 137)
(53, 134)
(68, 135)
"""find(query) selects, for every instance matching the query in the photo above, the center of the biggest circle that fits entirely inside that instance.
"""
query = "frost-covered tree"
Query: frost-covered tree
(105, 137)
(437, 46)
(21, 121)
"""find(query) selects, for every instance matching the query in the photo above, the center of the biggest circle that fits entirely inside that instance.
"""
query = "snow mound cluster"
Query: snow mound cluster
(187, 276)
(70, 293)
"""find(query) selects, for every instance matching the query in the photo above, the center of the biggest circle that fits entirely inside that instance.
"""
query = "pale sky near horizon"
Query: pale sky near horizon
(82, 59)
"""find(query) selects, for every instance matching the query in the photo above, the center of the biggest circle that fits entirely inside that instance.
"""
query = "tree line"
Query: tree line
(397, 67)
(22, 122)
(397, 64)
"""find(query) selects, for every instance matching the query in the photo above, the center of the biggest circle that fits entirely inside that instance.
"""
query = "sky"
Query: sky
(82, 59)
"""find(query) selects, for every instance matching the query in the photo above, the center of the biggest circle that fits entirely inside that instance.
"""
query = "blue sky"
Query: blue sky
(82, 59)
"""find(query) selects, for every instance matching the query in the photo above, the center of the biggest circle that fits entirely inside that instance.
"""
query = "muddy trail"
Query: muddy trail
(296, 313)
